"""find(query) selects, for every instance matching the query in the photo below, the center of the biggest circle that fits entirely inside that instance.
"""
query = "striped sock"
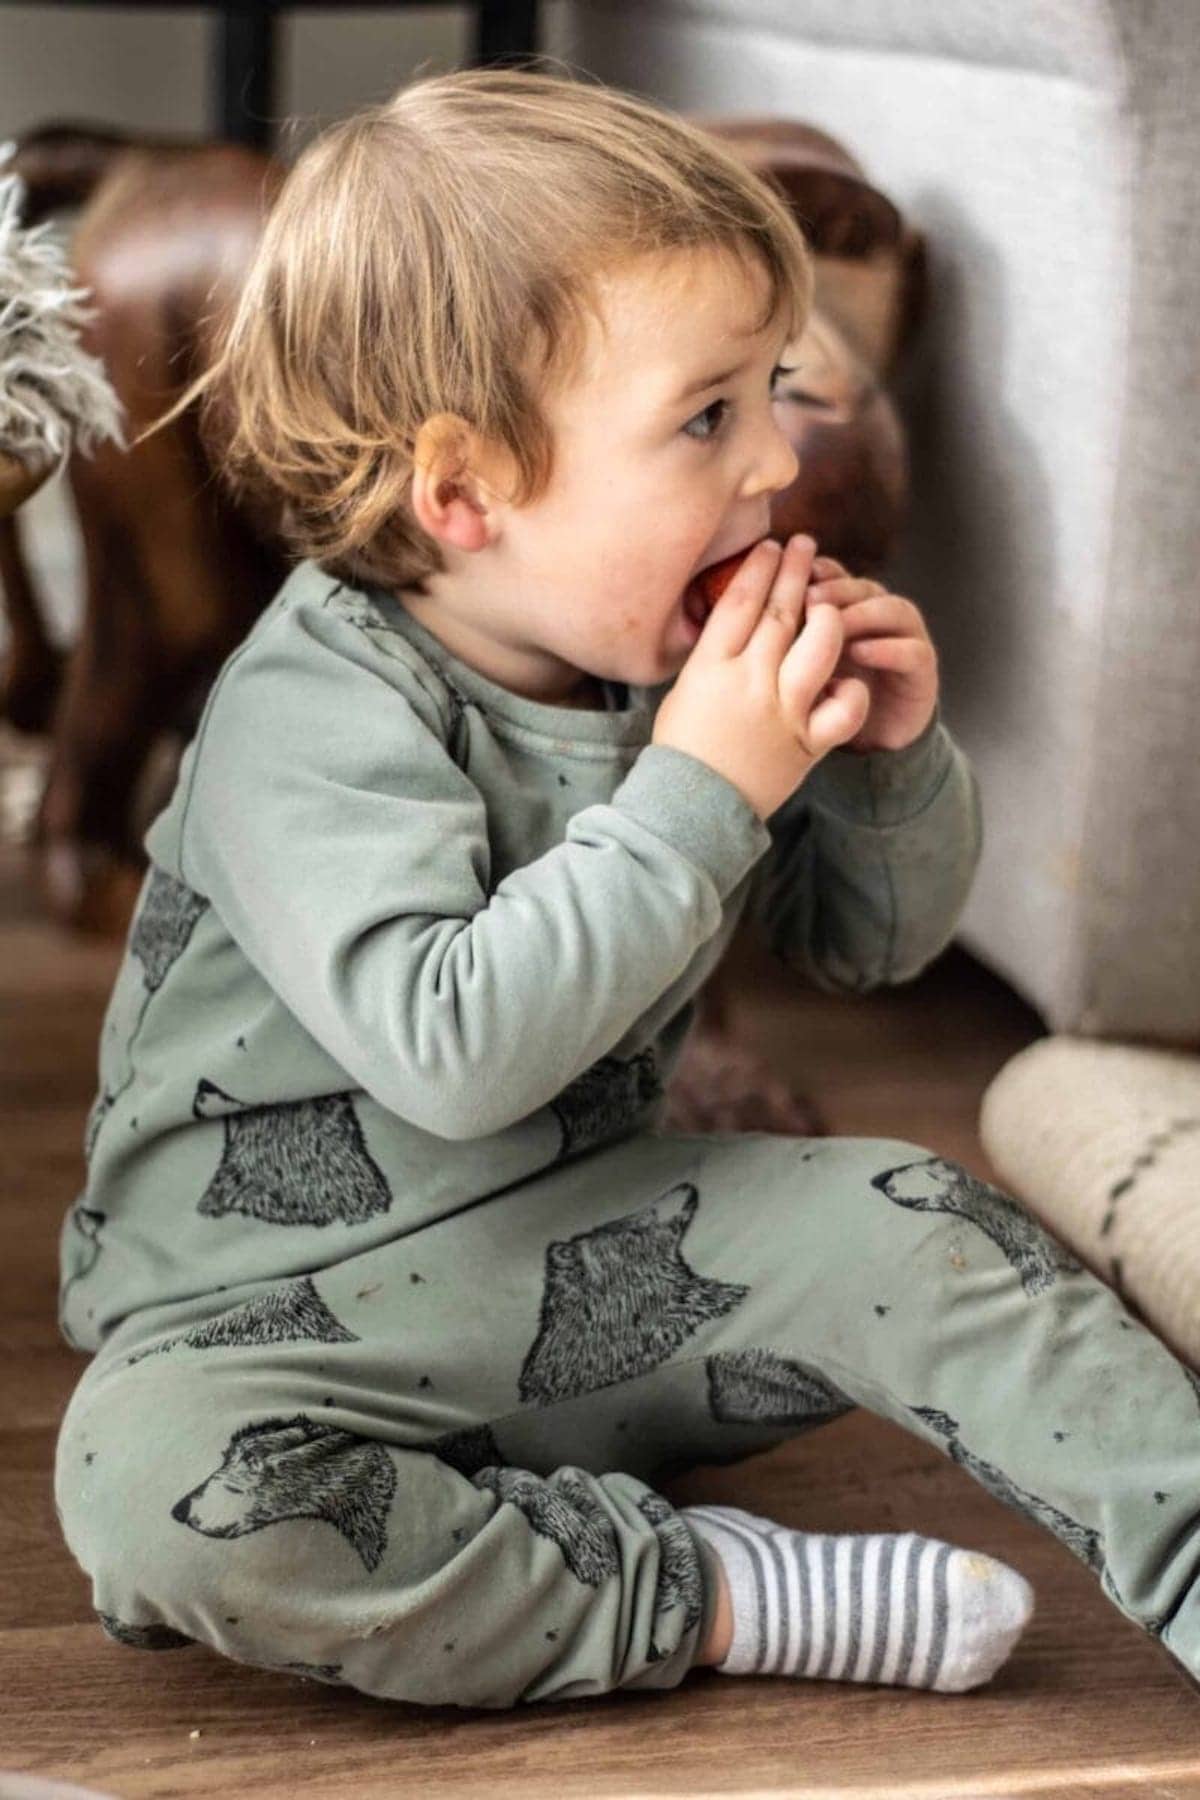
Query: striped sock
(901, 1610)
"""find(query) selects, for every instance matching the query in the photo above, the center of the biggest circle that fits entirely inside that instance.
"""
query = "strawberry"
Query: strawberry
(713, 581)
(706, 587)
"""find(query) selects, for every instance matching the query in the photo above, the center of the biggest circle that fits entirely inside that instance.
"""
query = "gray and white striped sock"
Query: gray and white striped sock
(898, 1609)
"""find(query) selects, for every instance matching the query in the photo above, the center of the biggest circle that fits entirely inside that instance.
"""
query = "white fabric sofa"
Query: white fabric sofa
(1050, 151)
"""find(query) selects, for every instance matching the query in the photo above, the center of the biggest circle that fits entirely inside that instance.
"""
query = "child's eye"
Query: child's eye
(722, 408)
(704, 437)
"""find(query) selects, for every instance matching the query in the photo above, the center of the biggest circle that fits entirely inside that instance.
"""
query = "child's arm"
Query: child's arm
(320, 812)
(871, 864)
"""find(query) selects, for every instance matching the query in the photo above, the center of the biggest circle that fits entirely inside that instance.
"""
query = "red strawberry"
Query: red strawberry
(713, 581)
(706, 588)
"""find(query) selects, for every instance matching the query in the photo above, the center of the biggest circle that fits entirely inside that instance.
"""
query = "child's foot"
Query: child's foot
(899, 1609)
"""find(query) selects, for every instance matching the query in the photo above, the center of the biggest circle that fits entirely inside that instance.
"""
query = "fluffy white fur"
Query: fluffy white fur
(52, 392)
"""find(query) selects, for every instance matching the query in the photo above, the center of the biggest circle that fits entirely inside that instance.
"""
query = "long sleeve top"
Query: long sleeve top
(407, 938)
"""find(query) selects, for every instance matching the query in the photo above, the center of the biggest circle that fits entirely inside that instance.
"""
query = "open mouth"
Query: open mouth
(707, 585)
(695, 606)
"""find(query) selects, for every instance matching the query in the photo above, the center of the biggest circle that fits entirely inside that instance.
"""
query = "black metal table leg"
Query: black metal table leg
(244, 59)
(505, 28)
(244, 74)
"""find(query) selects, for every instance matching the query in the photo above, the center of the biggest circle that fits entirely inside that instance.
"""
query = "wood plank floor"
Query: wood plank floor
(1087, 1705)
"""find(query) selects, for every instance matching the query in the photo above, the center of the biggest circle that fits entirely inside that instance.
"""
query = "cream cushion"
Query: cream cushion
(1102, 1143)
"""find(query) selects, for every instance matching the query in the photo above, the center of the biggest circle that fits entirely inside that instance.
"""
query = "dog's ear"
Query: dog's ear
(870, 265)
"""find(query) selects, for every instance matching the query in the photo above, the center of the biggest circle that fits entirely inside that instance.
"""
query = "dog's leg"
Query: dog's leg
(32, 673)
(111, 708)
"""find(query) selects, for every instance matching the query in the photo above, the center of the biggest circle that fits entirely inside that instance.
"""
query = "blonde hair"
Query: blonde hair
(436, 255)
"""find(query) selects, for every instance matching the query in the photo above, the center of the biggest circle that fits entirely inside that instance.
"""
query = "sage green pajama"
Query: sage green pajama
(400, 1304)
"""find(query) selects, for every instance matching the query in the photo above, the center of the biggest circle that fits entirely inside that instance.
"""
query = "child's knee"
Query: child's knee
(166, 1503)
(272, 1537)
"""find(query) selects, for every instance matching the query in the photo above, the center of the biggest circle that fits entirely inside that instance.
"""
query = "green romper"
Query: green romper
(401, 1301)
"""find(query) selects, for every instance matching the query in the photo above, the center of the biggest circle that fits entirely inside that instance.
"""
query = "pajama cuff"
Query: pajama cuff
(698, 812)
(883, 787)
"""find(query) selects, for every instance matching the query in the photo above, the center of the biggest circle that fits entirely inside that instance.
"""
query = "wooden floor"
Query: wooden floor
(1087, 1705)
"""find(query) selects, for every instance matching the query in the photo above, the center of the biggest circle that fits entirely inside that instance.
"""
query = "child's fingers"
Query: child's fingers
(846, 590)
(735, 617)
(888, 653)
(810, 663)
(836, 720)
(780, 618)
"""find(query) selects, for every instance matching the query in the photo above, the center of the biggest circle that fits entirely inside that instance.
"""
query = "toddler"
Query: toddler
(400, 1301)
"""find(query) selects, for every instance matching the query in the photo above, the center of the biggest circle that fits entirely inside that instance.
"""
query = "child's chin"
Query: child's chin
(656, 664)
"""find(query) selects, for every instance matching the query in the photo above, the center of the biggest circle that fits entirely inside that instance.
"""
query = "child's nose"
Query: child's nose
(776, 467)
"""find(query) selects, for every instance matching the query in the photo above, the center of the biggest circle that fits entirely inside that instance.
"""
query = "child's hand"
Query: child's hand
(759, 700)
(887, 645)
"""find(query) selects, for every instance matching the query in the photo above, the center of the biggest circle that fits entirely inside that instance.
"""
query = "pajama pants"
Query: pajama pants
(428, 1470)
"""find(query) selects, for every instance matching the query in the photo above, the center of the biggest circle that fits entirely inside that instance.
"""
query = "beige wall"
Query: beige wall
(147, 70)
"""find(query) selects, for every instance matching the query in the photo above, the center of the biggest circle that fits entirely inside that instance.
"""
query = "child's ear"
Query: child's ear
(451, 500)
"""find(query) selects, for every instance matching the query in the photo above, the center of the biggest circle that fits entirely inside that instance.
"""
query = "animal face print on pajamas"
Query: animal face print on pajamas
(160, 932)
(936, 1185)
(164, 924)
(143, 1637)
(679, 1579)
(563, 1508)
(296, 1469)
(301, 1162)
(1080, 1538)
(606, 1101)
(292, 1313)
(619, 1301)
(757, 1387)
(470, 1450)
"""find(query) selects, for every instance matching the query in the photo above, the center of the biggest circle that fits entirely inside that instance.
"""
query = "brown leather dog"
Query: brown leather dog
(176, 570)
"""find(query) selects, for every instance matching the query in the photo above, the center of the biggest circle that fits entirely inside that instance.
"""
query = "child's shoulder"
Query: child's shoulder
(316, 620)
(301, 706)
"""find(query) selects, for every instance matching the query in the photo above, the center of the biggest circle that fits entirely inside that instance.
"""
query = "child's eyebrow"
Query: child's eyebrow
(719, 375)
(707, 381)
